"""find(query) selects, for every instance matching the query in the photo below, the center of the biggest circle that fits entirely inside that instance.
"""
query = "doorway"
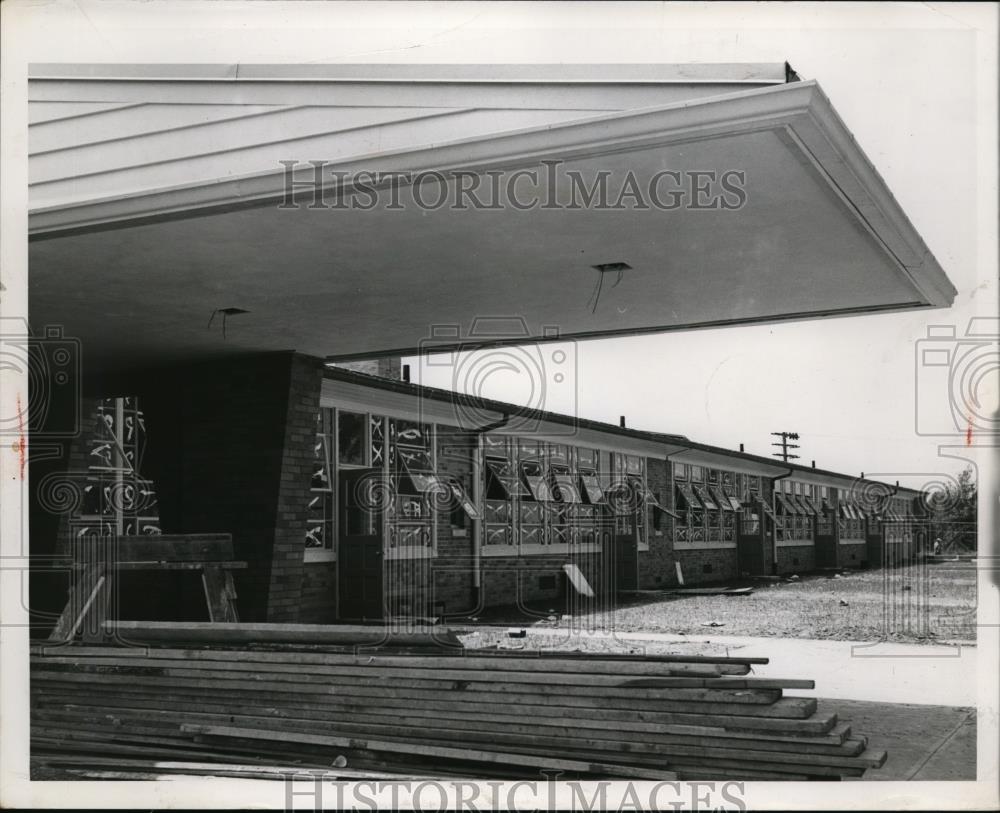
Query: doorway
(359, 557)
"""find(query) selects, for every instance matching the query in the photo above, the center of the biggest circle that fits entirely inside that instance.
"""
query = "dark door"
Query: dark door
(359, 554)
(626, 561)
(750, 544)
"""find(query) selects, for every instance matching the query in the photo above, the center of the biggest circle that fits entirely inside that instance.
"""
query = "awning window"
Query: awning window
(503, 476)
(649, 498)
(463, 499)
(539, 488)
(787, 505)
(766, 510)
(707, 501)
(568, 491)
(687, 495)
(416, 460)
(804, 506)
(813, 503)
(592, 487)
(720, 499)
(734, 503)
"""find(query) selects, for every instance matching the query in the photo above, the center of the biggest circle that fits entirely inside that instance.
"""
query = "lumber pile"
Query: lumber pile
(237, 708)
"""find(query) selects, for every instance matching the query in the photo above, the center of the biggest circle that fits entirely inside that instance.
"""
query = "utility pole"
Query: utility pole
(784, 454)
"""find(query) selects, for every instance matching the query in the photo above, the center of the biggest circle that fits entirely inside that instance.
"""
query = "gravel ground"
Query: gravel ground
(916, 604)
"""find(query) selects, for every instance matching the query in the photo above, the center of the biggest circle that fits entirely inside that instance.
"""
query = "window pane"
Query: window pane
(352, 429)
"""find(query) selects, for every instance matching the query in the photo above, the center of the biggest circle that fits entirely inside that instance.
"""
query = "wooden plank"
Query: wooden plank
(449, 691)
(468, 731)
(578, 580)
(217, 594)
(431, 658)
(244, 633)
(817, 724)
(83, 593)
(465, 754)
(567, 659)
(174, 548)
(499, 694)
(375, 663)
(484, 675)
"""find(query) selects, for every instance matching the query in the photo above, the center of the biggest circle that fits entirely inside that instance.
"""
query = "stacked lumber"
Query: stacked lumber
(237, 709)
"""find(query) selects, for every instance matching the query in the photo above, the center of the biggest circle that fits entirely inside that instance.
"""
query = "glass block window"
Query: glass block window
(117, 499)
(409, 518)
(320, 514)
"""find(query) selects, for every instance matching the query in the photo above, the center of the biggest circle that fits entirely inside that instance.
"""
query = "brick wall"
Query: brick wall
(722, 561)
(852, 554)
(656, 566)
(796, 559)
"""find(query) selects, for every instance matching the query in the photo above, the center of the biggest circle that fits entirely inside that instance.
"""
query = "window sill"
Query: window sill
(319, 555)
(537, 550)
(795, 543)
(853, 540)
(704, 545)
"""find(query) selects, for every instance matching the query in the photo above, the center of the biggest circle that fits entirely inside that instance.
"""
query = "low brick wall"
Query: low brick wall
(708, 565)
(853, 553)
(797, 559)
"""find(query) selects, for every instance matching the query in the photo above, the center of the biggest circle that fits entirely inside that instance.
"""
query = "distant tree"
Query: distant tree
(955, 513)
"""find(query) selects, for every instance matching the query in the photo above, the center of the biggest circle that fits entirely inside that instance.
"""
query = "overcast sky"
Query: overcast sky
(911, 81)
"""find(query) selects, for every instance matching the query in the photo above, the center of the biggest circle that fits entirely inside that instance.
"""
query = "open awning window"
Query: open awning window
(720, 499)
(568, 492)
(535, 481)
(827, 508)
(464, 500)
(592, 488)
(416, 460)
(504, 477)
(707, 501)
(766, 510)
(649, 498)
(813, 503)
(734, 503)
(805, 506)
(787, 505)
(687, 496)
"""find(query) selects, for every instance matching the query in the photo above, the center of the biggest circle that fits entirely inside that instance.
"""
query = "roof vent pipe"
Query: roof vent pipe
(406, 373)
(814, 463)
(741, 447)
(621, 421)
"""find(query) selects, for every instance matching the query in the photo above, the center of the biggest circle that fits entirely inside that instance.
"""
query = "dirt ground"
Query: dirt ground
(934, 603)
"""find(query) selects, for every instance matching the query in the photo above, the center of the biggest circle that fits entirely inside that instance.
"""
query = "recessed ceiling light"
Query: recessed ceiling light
(606, 267)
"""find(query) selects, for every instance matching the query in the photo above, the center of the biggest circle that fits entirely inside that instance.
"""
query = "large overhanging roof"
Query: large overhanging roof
(154, 202)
